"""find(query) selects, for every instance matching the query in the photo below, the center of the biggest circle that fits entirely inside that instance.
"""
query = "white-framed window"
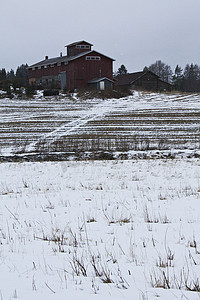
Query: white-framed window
(82, 46)
(58, 64)
(93, 58)
(39, 68)
(52, 65)
(45, 67)
(65, 63)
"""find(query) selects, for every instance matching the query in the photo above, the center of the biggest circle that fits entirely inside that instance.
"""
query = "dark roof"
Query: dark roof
(130, 78)
(65, 59)
(50, 61)
(127, 79)
(95, 80)
(76, 43)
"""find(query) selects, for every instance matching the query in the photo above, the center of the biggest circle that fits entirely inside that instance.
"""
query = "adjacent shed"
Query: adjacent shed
(100, 83)
(145, 80)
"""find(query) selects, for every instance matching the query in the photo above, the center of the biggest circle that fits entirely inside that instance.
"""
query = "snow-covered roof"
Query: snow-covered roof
(95, 80)
(77, 43)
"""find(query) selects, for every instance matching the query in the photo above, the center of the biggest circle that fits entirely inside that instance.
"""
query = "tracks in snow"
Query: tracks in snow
(98, 110)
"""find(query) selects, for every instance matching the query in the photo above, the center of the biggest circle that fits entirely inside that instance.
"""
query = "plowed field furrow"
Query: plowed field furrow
(59, 124)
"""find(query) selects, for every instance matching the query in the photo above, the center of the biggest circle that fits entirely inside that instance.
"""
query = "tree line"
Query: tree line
(16, 79)
(10, 80)
(186, 80)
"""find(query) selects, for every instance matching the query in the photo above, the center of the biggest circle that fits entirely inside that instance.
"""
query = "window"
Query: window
(58, 64)
(82, 46)
(93, 58)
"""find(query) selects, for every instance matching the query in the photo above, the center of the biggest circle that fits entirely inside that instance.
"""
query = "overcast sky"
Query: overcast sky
(135, 33)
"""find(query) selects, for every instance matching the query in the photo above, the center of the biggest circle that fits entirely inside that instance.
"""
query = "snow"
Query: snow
(138, 219)
(118, 229)
(166, 120)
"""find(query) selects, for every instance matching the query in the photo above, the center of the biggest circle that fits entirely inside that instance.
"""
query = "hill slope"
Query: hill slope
(143, 121)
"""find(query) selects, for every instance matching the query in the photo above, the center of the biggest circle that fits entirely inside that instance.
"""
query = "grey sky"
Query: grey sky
(134, 32)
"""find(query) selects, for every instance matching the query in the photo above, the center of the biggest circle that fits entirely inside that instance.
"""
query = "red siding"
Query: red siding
(73, 50)
(37, 73)
(79, 71)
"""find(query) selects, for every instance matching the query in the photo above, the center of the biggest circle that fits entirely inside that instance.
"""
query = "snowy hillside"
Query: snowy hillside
(100, 230)
(115, 229)
(141, 122)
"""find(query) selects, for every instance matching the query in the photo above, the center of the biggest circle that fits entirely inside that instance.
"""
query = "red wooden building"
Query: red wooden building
(81, 68)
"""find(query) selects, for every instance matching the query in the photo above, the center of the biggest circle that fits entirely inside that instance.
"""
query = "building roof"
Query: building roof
(127, 79)
(65, 59)
(130, 78)
(87, 53)
(50, 61)
(76, 43)
(95, 80)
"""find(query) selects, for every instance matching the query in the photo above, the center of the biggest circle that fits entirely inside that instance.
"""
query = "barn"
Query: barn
(145, 80)
(79, 69)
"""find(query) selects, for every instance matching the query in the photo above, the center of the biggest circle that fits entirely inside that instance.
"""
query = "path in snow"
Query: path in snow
(98, 110)
(28, 125)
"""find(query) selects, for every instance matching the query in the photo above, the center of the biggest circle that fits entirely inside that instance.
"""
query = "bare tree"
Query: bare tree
(161, 69)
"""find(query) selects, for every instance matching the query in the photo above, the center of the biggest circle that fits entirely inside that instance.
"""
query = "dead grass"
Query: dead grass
(23, 122)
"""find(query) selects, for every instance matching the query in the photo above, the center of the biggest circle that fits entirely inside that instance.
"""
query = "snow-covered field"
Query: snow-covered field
(143, 121)
(100, 230)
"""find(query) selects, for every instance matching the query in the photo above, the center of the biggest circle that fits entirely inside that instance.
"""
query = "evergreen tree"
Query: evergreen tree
(146, 69)
(10, 76)
(122, 70)
(30, 90)
(6, 87)
(192, 78)
(22, 76)
(2, 74)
